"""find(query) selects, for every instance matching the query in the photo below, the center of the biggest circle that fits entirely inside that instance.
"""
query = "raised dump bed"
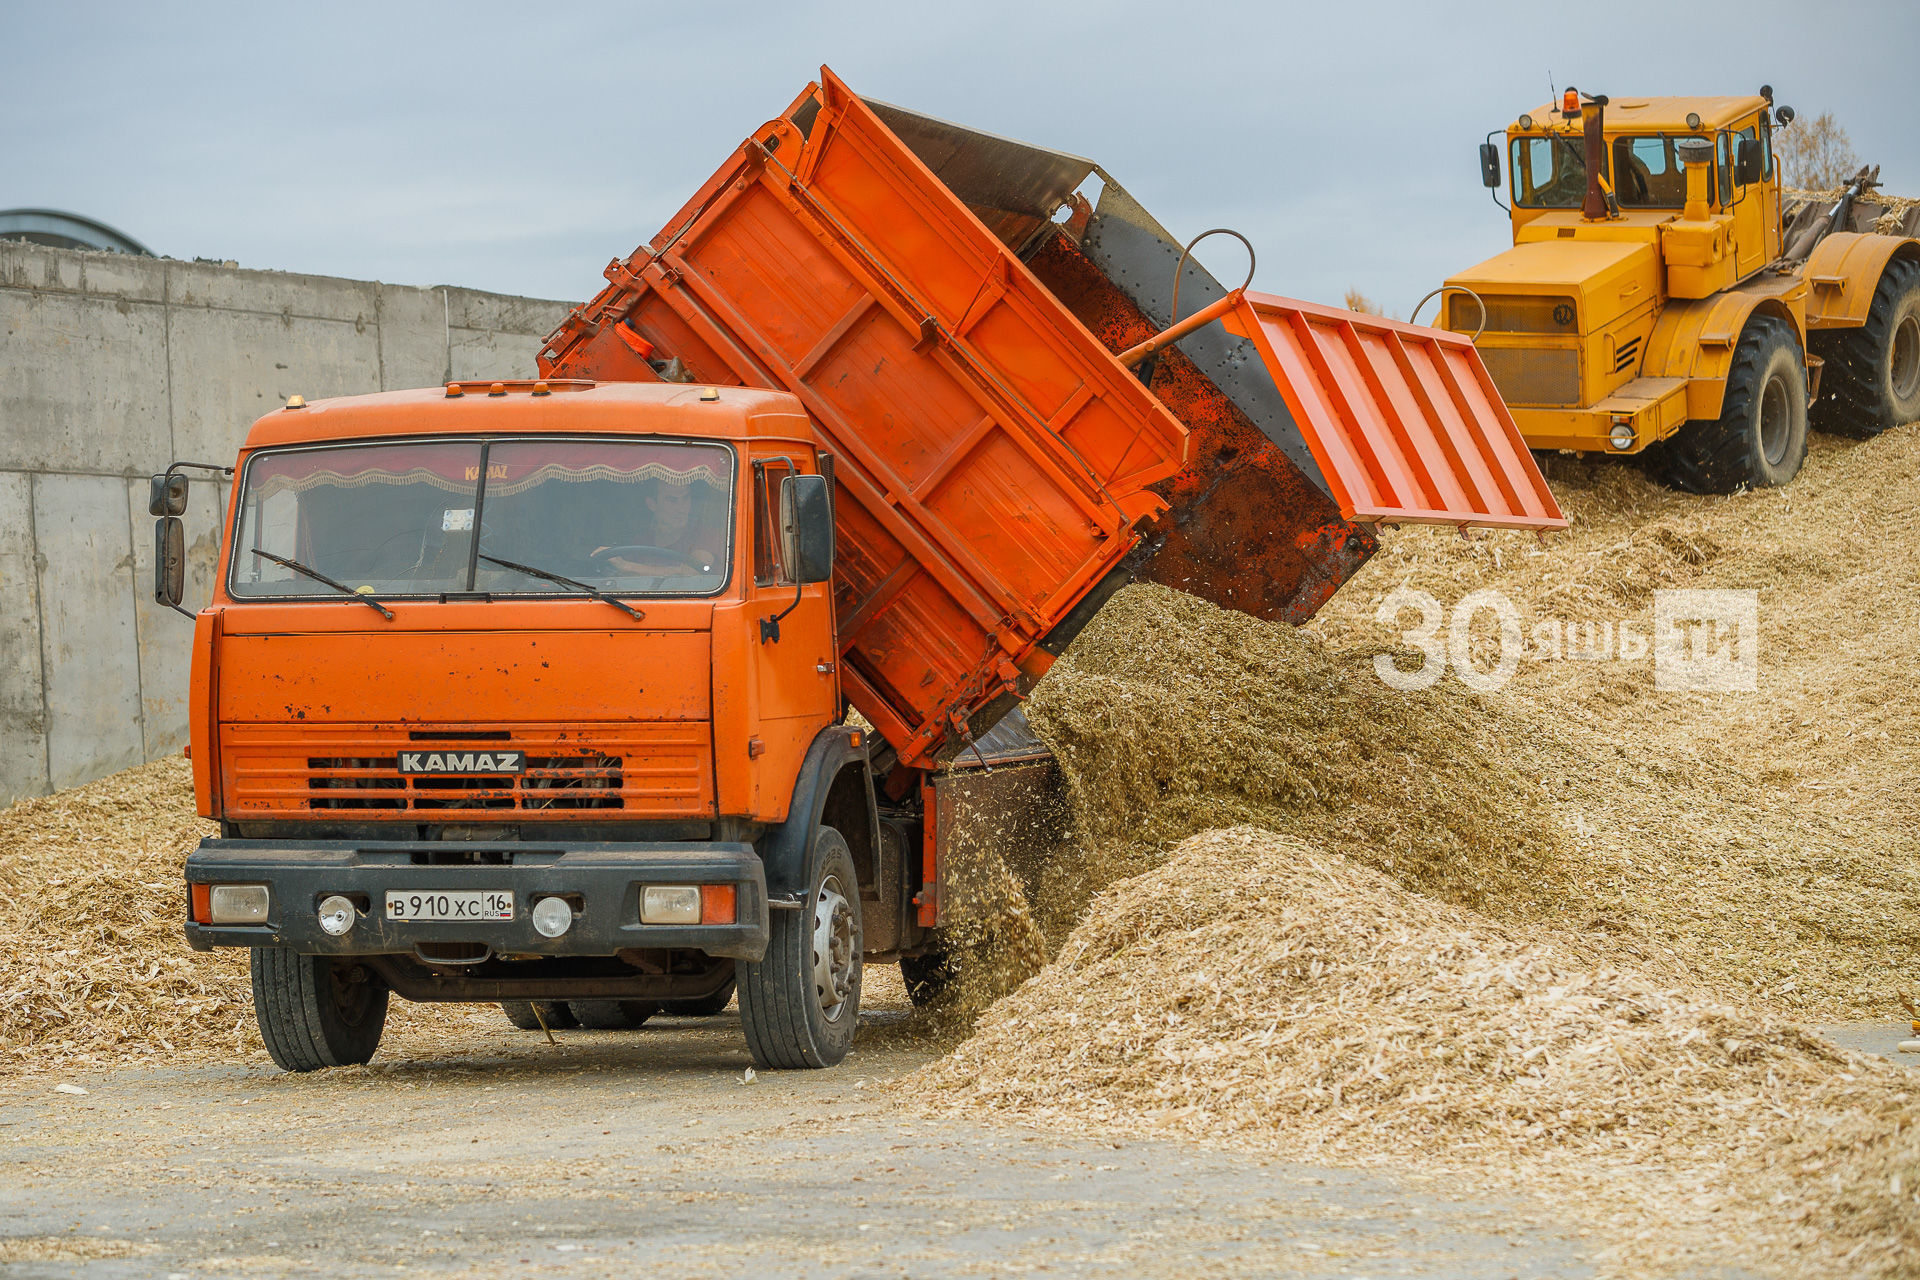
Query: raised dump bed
(999, 471)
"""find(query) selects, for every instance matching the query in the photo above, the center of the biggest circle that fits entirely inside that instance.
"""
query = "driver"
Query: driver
(673, 530)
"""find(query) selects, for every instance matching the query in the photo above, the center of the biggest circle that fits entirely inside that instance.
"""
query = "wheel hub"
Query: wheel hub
(1775, 416)
(833, 957)
(1904, 359)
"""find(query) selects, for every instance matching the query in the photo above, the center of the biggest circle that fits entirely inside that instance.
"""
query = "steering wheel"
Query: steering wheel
(644, 553)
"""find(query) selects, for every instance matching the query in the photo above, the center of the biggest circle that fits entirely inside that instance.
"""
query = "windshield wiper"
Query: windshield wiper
(564, 581)
(318, 576)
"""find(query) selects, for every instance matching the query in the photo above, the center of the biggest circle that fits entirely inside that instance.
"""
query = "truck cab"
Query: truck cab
(527, 691)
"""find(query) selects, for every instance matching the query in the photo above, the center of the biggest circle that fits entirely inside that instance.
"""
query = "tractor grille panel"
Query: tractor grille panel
(646, 770)
(1623, 358)
(1513, 313)
(1546, 377)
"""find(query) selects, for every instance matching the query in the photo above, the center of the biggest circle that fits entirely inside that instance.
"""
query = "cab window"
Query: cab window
(1648, 174)
(1549, 173)
(768, 571)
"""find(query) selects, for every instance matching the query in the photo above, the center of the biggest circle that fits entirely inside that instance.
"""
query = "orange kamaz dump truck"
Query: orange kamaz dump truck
(540, 692)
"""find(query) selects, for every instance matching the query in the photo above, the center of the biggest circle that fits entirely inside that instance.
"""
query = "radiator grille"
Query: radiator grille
(550, 782)
(645, 769)
(1535, 376)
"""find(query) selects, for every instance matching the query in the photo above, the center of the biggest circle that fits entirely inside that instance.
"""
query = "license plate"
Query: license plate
(472, 904)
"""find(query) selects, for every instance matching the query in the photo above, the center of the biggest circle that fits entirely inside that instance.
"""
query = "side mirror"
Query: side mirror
(806, 528)
(1746, 165)
(167, 495)
(170, 559)
(1490, 166)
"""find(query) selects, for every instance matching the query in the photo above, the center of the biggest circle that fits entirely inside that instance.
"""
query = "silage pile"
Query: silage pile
(1258, 991)
(94, 968)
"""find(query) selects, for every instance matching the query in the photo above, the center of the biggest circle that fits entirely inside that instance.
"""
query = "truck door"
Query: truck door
(796, 689)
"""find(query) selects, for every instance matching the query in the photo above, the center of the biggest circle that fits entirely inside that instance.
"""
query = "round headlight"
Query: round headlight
(1526, 122)
(552, 917)
(1621, 437)
(1693, 119)
(336, 915)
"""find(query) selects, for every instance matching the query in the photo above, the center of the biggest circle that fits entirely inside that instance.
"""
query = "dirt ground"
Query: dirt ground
(490, 1151)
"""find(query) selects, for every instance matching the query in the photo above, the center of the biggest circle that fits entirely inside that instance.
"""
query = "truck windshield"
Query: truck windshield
(629, 517)
(1549, 173)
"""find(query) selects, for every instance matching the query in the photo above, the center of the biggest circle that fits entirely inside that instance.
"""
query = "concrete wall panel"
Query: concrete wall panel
(89, 649)
(230, 367)
(23, 721)
(108, 275)
(83, 383)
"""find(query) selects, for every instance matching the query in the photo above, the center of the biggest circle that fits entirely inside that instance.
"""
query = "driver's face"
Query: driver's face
(671, 506)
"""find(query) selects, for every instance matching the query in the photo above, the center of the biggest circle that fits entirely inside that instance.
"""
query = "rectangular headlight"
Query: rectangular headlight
(237, 903)
(670, 904)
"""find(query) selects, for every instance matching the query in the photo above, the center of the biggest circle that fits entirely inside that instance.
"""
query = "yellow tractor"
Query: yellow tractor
(1648, 306)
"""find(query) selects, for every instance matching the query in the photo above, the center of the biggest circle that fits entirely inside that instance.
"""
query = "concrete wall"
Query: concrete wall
(110, 368)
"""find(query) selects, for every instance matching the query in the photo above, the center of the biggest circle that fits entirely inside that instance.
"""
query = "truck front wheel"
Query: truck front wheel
(317, 1012)
(1872, 377)
(556, 1014)
(1760, 438)
(612, 1015)
(799, 1004)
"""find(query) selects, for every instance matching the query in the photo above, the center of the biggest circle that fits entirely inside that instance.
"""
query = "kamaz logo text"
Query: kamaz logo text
(462, 761)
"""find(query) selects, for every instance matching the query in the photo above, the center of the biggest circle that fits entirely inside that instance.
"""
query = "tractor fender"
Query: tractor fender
(1844, 271)
(1695, 339)
(835, 766)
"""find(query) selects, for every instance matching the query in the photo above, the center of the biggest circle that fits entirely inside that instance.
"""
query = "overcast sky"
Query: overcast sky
(519, 147)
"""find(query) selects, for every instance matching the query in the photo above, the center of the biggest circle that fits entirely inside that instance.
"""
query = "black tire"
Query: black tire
(799, 1005)
(704, 1007)
(558, 1014)
(317, 1012)
(1760, 438)
(612, 1015)
(1871, 381)
(929, 977)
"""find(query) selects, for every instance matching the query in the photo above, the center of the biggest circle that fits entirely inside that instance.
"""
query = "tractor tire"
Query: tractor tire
(317, 1012)
(1871, 381)
(800, 1002)
(1760, 438)
(612, 1015)
(929, 977)
(704, 1007)
(558, 1014)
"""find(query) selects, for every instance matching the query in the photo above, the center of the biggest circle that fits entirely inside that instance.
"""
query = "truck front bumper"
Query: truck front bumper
(604, 882)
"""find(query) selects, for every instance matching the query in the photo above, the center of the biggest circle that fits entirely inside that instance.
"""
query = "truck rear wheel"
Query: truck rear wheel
(928, 976)
(799, 1004)
(612, 1015)
(1872, 377)
(317, 1012)
(521, 1013)
(1760, 438)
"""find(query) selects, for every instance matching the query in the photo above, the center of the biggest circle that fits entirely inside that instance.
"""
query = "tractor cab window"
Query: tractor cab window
(1647, 173)
(1549, 173)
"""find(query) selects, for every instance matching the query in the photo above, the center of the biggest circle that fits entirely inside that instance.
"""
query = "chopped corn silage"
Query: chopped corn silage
(1258, 991)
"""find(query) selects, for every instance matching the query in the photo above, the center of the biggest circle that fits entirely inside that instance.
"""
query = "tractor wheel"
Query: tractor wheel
(799, 1004)
(612, 1015)
(1760, 438)
(704, 1007)
(1872, 377)
(317, 1012)
(558, 1014)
